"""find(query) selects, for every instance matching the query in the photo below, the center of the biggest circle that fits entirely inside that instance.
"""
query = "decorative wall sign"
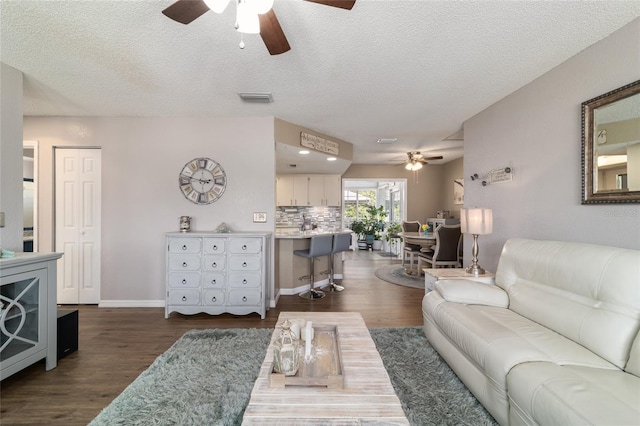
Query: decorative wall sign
(319, 144)
(458, 191)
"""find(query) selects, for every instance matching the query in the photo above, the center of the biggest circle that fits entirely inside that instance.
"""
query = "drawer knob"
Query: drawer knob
(244, 281)
(214, 265)
(184, 264)
(184, 298)
(213, 281)
(215, 247)
(214, 299)
(244, 298)
(184, 247)
(244, 247)
(184, 281)
(244, 264)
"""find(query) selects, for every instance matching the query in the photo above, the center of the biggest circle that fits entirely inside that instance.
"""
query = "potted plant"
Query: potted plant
(375, 225)
(360, 228)
(391, 236)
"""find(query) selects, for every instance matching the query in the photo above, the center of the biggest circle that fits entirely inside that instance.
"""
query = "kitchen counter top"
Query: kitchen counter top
(296, 234)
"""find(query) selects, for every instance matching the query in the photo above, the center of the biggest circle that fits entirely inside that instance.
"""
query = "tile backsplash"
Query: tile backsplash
(327, 218)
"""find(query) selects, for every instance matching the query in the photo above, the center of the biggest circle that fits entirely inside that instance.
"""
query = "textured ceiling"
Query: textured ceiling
(412, 70)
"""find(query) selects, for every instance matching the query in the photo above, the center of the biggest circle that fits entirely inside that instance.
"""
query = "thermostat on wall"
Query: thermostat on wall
(260, 217)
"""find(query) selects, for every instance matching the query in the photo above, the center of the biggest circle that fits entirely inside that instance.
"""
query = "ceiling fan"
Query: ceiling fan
(415, 160)
(186, 11)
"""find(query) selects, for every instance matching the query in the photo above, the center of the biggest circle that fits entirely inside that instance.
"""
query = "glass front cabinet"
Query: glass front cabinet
(27, 311)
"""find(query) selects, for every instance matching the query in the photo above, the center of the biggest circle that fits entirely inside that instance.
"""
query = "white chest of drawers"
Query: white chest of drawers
(217, 273)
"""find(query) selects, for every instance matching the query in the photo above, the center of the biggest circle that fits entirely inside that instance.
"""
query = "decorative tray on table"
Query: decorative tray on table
(324, 370)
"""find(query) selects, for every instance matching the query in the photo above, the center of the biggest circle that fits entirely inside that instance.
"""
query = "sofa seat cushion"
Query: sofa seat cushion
(497, 339)
(546, 393)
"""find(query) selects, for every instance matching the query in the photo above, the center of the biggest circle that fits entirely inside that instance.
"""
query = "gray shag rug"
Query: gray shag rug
(207, 376)
(395, 274)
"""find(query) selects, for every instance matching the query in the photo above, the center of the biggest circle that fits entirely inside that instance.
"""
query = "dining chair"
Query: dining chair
(446, 250)
(410, 250)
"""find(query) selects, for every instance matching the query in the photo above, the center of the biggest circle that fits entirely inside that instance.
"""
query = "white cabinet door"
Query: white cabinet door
(301, 190)
(316, 190)
(284, 190)
(333, 190)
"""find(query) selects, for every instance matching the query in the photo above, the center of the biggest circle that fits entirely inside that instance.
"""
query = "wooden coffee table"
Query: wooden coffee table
(366, 398)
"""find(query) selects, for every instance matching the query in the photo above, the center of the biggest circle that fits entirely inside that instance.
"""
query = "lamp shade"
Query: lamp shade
(218, 6)
(476, 221)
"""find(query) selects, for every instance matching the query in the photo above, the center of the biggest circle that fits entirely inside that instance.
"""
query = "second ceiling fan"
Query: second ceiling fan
(186, 11)
(415, 160)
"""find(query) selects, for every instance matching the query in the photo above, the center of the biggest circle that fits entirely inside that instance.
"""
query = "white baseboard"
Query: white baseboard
(301, 289)
(131, 304)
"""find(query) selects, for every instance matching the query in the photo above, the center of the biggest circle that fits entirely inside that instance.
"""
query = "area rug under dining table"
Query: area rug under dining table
(206, 377)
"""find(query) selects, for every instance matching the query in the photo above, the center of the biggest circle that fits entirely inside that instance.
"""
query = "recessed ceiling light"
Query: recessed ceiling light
(331, 158)
(303, 152)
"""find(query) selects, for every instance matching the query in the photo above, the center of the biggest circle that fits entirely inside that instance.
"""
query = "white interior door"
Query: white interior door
(77, 218)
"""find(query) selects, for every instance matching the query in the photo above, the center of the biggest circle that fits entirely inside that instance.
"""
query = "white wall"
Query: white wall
(11, 157)
(537, 131)
(141, 200)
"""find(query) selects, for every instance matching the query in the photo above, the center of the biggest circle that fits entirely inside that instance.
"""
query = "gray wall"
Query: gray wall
(141, 160)
(537, 131)
(11, 157)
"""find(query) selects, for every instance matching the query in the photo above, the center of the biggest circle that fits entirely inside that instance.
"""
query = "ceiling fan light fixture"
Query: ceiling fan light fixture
(217, 6)
(247, 20)
(261, 6)
(414, 166)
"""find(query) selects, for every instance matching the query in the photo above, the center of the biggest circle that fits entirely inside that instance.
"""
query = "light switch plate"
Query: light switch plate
(259, 217)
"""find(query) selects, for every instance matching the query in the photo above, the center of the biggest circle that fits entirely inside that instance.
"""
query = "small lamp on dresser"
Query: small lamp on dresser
(476, 222)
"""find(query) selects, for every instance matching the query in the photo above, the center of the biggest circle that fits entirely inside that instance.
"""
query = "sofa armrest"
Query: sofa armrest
(472, 293)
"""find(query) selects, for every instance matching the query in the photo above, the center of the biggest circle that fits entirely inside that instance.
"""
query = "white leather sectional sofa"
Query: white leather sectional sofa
(555, 342)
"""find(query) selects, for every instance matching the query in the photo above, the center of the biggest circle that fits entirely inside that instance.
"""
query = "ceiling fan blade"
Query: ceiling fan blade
(342, 4)
(272, 34)
(425, 159)
(185, 11)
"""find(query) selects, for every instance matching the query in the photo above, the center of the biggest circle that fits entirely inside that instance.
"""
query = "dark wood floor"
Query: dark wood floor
(116, 345)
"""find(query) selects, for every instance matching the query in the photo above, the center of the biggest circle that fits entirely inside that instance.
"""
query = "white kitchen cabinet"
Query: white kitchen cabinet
(300, 190)
(332, 190)
(309, 190)
(316, 190)
(284, 190)
(28, 314)
(217, 273)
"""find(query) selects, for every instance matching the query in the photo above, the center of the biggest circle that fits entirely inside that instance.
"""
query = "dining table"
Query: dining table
(425, 241)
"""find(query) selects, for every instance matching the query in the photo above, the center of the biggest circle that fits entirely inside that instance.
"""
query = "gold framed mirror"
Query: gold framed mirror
(611, 147)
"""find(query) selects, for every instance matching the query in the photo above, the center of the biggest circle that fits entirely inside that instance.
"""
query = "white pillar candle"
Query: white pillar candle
(308, 337)
(295, 329)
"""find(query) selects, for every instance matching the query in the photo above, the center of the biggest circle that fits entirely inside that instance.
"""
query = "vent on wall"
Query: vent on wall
(256, 97)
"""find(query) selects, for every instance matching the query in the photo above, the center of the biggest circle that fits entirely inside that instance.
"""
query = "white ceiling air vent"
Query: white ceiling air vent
(387, 141)
(256, 97)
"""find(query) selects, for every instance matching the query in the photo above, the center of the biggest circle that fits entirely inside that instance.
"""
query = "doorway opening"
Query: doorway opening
(30, 196)
(359, 194)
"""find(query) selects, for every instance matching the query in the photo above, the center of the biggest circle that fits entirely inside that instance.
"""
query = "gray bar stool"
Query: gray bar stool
(320, 246)
(341, 242)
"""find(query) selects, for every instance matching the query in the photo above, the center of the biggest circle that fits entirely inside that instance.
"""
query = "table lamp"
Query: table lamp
(476, 222)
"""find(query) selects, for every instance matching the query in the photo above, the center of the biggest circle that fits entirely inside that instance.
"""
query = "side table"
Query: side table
(431, 275)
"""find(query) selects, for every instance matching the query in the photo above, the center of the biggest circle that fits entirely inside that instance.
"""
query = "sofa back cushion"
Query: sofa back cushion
(588, 293)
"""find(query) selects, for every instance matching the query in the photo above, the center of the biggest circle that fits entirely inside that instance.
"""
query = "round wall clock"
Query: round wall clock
(202, 180)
